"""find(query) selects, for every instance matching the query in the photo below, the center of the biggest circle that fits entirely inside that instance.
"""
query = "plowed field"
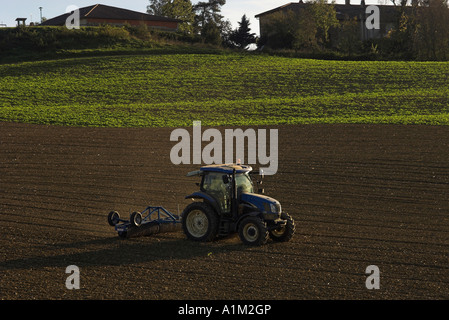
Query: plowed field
(361, 195)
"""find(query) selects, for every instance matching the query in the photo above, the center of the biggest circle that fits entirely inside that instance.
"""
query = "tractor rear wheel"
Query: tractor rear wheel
(284, 233)
(200, 222)
(253, 231)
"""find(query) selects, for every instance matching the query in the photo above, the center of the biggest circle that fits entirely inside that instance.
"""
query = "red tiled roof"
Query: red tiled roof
(100, 11)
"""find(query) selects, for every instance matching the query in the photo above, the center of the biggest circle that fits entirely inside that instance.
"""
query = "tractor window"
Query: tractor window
(213, 182)
(213, 185)
(243, 183)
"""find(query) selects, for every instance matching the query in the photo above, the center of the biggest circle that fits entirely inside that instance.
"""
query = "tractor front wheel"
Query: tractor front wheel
(200, 222)
(286, 232)
(253, 231)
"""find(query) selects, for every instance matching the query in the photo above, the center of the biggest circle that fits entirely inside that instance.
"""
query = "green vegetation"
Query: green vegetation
(38, 43)
(221, 89)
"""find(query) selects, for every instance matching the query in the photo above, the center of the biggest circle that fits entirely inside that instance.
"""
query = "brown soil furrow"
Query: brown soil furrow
(360, 194)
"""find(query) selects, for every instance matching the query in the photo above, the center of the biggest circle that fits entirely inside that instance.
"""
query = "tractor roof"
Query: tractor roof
(224, 168)
(227, 168)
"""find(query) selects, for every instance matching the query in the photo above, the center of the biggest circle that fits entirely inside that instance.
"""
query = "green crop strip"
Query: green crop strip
(227, 89)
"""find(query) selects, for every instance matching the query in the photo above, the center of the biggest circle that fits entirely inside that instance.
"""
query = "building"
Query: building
(100, 14)
(21, 21)
(387, 14)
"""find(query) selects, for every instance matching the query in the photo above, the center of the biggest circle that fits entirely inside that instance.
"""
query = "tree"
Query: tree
(301, 30)
(399, 40)
(242, 37)
(431, 36)
(176, 9)
(305, 35)
(225, 31)
(349, 36)
(208, 20)
(282, 30)
(325, 17)
(211, 33)
(156, 7)
(421, 31)
(206, 12)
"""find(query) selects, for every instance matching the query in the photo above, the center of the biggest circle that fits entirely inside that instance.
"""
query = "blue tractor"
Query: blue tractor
(227, 203)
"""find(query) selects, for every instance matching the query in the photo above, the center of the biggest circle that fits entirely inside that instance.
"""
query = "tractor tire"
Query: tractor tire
(200, 222)
(286, 232)
(253, 231)
(113, 218)
(135, 219)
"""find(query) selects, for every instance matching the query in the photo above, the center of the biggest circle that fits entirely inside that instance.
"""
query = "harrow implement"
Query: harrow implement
(152, 220)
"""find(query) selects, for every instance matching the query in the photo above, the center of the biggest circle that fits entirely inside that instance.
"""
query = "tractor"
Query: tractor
(227, 203)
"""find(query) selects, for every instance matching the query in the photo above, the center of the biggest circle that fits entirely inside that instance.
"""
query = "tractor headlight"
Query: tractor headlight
(270, 207)
(275, 207)
(272, 211)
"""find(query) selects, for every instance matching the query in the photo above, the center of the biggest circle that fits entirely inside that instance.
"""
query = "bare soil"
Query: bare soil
(361, 195)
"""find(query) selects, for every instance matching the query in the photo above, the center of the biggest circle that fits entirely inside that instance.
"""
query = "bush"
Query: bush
(23, 43)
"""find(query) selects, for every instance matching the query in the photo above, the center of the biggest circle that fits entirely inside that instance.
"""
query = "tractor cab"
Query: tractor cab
(217, 181)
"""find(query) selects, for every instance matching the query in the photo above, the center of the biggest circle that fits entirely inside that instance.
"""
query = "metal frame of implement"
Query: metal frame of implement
(157, 219)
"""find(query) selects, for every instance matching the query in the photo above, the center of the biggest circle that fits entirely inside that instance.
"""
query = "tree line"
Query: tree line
(204, 19)
(420, 31)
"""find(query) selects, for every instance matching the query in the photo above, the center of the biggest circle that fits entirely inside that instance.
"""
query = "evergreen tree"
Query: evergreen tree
(242, 37)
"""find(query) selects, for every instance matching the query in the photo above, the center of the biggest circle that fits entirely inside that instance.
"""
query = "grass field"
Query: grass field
(361, 195)
(221, 89)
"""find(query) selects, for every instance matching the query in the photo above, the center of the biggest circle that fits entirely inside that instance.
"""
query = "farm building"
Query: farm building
(100, 14)
(387, 14)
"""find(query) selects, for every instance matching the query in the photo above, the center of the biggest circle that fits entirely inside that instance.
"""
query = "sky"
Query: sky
(233, 10)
